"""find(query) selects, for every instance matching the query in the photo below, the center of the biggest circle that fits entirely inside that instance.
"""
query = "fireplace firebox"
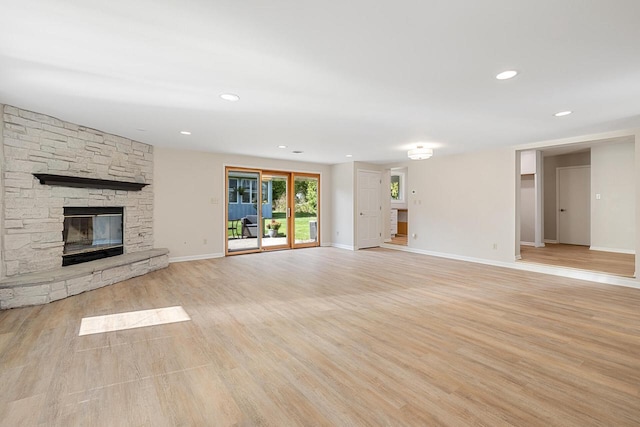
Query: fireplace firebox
(91, 233)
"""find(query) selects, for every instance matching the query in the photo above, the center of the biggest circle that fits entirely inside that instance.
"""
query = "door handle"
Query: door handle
(562, 210)
(288, 212)
(361, 214)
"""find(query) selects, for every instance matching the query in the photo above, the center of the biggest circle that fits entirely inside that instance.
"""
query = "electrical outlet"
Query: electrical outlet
(495, 246)
(204, 241)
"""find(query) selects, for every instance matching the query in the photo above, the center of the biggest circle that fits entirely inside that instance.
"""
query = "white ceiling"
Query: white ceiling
(329, 78)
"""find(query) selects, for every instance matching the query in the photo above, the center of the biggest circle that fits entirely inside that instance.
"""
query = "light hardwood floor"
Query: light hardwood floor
(399, 239)
(326, 336)
(575, 256)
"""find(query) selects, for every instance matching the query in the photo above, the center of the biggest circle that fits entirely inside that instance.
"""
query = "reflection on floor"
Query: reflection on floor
(252, 243)
(581, 257)
(399, 239)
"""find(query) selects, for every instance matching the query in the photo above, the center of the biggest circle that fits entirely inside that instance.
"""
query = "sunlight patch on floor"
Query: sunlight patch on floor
(132, 319)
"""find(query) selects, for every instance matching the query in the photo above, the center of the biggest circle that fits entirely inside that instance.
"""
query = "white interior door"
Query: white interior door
(369, 210)
(574, 208)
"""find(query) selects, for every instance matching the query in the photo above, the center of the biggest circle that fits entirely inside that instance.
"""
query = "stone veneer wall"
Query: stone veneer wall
(32, 219)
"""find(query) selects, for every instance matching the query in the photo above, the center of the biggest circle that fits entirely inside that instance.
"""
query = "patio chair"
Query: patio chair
(250, 226)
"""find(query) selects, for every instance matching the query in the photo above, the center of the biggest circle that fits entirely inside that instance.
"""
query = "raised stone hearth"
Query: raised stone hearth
(48, 286)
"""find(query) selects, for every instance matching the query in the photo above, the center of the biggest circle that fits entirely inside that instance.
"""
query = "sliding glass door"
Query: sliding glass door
(306, 208)
(271, 210)
(243, 218)
(275, 202)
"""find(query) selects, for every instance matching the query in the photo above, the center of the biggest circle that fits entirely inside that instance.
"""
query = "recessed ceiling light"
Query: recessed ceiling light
(349, 155)
(563, 113)
(282, 146)
(297, 152)
(230, 97)
(505, 75)
(185, 132)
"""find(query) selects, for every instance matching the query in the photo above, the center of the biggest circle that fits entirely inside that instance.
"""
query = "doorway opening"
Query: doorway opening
(576, 206)
(270, 210)
(399, 218)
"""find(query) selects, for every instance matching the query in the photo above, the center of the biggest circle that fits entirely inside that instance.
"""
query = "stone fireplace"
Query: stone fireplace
(50, 169)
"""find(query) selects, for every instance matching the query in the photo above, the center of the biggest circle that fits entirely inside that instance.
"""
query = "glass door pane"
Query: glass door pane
(244, 228)
(275, 209)
(306, 207)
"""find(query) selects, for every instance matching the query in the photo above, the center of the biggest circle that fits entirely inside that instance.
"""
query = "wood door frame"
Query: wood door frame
(558, 197)
(288, 220)
(295, 245)
(226, 210)
(291, 244)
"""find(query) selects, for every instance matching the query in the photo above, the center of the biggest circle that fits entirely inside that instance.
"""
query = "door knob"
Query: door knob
(361, 213)
(562, 210)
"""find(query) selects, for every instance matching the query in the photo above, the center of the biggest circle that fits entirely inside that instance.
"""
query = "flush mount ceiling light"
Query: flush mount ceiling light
(420, 153)
(563, 113)
(506, 75)
(185, 132)
(230, 97)
(282, 146)
(349, 155)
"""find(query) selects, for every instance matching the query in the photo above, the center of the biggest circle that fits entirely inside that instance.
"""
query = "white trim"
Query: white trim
(616, 250)
(341, 246)
(195, 257)
(527, 244)
(551, 241)
(571, 273)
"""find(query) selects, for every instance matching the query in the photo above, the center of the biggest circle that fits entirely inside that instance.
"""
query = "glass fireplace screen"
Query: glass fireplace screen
(91, 229)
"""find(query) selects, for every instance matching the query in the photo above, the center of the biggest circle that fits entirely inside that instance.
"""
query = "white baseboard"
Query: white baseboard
(527, 244)
(537, 268)
(618, 251)
(341, 246)
(551, 241)
(195, 257)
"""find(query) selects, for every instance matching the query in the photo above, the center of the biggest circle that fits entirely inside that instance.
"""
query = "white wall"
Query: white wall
(342, 205)
(464, 204)
(527, 208)
(528, 162)
(613, 216)
(189, 199)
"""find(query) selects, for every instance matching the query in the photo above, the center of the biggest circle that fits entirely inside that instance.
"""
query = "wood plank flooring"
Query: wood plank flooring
(331, 337)
(399, 239)
(581, 257)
